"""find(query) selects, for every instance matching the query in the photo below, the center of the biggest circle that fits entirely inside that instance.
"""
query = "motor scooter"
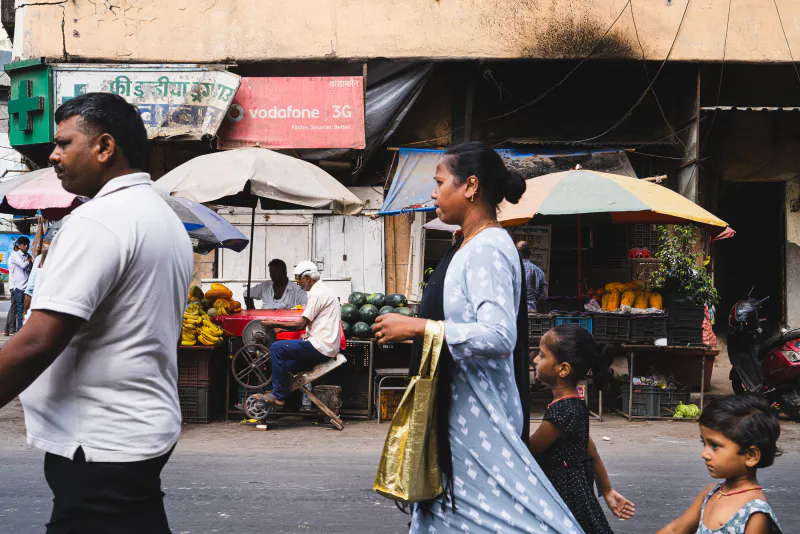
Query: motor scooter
(765, 359)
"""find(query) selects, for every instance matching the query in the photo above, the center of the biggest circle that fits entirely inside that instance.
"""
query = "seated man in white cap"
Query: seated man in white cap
(322, 321)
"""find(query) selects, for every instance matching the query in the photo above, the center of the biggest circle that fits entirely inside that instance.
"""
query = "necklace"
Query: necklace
(564, 398)
(481, 229)
(737, 492)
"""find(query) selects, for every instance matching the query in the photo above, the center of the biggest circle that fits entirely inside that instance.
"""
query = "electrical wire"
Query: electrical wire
(649, 87)
(542, 95)
(786, 38)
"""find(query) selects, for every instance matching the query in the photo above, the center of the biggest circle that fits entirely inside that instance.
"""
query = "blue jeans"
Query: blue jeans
(287, 358)
(19, 305)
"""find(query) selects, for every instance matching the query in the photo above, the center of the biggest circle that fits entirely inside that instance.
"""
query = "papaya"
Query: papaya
(656, 301)
(628, 298)
(600, 292)
(640, 302)
(597, 298)
(640, 285)
(631, 285)
(604, 300)
(218, 291)
(613, 302)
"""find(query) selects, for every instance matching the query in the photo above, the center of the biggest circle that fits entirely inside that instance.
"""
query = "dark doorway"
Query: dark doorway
(754, 257)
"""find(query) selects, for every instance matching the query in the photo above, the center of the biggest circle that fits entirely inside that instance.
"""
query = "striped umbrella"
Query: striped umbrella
(625, 199)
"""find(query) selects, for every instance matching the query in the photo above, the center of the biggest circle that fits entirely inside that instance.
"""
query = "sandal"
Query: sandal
(270, 399)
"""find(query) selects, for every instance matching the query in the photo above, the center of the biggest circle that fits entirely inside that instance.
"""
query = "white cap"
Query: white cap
(304, 267)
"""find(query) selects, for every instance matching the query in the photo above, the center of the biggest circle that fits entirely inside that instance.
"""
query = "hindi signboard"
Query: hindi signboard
(318, 112)
(173, 100)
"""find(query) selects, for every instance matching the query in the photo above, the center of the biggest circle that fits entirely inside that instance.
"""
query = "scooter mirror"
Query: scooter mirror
(762, 301)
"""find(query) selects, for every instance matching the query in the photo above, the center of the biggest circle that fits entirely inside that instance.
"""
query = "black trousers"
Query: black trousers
(106, 497)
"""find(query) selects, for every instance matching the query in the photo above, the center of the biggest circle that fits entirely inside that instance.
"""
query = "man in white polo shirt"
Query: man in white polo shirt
(98, 353)
(322, 321)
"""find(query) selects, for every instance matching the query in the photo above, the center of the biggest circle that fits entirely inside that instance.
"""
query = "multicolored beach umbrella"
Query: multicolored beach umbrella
(625, 199)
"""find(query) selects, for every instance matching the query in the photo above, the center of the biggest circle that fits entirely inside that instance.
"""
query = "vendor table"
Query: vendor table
(701, 352)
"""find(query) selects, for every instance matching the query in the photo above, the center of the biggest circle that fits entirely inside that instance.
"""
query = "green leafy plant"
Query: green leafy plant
(679, 261)
(423, 284)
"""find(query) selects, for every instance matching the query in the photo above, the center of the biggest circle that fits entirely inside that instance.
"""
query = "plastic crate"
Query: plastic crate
(648, 328)
(195, 367)
(195, 404)
(686, 316)
(642, 236)
(359, 353)
(538, 324)
(581, 320)
(653, 401)
(611, 328)
(388, 403)
(682, 336)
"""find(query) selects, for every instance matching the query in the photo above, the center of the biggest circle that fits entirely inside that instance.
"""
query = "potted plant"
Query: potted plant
(682, 272)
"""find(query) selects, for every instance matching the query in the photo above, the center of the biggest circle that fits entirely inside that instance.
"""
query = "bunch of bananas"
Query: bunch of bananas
(209, 333)
(197, 326)
(191, 321)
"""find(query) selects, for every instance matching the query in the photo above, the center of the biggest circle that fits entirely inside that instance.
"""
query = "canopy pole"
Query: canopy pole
(249, 300)
(580, 265)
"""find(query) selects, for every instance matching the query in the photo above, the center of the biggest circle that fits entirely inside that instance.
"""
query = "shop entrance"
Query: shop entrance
(755, 255)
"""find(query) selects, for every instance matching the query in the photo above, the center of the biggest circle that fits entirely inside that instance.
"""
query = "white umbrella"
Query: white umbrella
(234, 177)
(437, 224)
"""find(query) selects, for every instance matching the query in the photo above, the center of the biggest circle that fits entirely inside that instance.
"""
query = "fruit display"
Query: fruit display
(616, 296)
(361, 310)
(214, 302)
(197, 326)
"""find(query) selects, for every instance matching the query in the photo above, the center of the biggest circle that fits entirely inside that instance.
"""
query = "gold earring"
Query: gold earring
(472, 197)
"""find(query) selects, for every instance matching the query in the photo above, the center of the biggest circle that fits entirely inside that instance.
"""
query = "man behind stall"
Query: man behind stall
(322, 321)
(277, 293)
(535, 281)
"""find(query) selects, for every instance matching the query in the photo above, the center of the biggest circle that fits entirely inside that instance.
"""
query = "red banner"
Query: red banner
(320, 112)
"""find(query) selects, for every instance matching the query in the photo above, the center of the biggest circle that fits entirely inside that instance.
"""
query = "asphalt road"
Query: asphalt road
(229, 478)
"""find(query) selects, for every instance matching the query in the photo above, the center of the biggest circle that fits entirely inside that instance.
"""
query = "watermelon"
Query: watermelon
(376, 299)
(395, 300)
(368, 313)
(348, 330)
(357, 299)
(385, 310)
(408, 312)
(350, 313)
(362, 330)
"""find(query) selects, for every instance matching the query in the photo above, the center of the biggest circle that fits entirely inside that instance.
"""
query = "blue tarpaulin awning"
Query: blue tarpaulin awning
(413, 180)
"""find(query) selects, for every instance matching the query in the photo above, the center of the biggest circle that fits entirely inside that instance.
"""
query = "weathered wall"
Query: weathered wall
(256, 30)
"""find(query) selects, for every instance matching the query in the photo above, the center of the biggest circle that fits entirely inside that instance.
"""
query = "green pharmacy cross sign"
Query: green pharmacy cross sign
(31, 106)
(25, 105)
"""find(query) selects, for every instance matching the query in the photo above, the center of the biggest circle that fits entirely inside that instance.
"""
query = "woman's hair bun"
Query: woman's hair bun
(514, 186)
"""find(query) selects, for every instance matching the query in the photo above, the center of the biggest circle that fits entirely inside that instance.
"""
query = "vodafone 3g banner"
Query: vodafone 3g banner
(319, 112)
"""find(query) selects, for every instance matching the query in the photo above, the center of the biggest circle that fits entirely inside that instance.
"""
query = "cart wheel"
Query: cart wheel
(256, 408)
(250, 367)
(336, 425)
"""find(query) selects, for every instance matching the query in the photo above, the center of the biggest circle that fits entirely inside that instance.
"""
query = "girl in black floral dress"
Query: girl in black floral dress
(561, 444)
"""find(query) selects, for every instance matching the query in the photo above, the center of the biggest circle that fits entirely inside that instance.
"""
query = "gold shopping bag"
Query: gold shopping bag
(409, 467)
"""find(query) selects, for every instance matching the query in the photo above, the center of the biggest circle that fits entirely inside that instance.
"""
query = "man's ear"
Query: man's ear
(106, 147)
